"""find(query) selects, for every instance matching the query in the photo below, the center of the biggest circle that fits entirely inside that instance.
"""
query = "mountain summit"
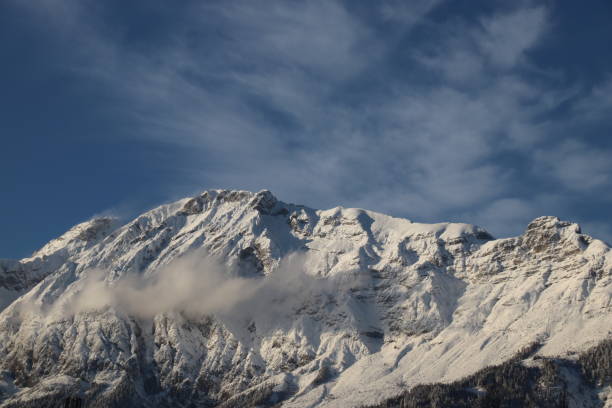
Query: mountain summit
(234, 298)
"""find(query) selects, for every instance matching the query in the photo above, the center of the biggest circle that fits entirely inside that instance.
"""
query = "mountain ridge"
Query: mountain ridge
(425, 302)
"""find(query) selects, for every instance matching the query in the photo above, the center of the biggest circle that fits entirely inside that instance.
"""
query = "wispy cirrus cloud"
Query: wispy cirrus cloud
(576, 165)
(505, 37)
(329, 102)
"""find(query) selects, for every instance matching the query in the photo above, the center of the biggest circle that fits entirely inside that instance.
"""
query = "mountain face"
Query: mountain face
(16, 277)
(236, 299)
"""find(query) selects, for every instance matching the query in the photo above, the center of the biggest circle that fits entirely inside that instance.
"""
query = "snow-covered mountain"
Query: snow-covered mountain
(306, 308)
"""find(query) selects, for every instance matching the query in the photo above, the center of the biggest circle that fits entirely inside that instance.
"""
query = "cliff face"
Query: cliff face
(303, 307)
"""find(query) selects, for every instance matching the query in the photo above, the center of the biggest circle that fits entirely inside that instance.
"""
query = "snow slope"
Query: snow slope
(16, 277)
(384, 303)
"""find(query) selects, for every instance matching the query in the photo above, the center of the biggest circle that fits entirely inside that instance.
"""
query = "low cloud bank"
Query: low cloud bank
(200, 285)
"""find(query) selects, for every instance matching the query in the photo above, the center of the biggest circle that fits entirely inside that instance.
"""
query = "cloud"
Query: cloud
(324, 102)
(577, 166)
(317, 37)
(597, 104)
(199, 285)
(406, 13)
(472, 54)
(506, 36)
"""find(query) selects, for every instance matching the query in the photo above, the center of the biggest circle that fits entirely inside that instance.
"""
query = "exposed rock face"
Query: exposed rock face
(412, 303)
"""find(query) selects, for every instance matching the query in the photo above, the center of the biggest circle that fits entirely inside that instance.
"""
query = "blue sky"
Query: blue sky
(488, 112)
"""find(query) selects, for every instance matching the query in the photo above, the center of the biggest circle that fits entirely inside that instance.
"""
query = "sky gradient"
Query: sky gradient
(486, 112)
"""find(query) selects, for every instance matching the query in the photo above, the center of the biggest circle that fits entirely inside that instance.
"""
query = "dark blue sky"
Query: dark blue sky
(489, 112)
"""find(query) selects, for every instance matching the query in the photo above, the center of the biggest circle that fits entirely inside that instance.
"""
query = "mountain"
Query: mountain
(237, 299)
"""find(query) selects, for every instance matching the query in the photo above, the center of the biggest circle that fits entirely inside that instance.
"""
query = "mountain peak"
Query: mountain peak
(551, 222)
(262, 201)
(87, 232)
(547, 231)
